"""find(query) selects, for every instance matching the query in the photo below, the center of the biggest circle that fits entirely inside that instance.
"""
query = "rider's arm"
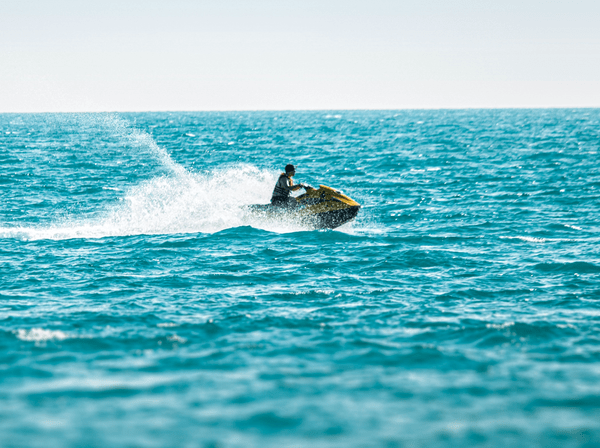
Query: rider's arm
(288, 185)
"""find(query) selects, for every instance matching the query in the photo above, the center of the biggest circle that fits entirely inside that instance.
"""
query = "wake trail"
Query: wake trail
(178, 201)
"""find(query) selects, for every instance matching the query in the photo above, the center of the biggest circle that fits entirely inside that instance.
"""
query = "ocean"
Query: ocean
(141, 306)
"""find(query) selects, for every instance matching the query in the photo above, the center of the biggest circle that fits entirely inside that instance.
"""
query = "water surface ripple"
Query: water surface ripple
(141, 306)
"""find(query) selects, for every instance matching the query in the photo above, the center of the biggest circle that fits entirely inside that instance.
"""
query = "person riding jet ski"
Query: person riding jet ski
(283, 188)
(317, 208)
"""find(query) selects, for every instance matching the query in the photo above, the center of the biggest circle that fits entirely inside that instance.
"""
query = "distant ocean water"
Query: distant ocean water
(140, 306)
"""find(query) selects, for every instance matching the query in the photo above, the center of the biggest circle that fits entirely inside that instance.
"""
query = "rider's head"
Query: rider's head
(290, 170)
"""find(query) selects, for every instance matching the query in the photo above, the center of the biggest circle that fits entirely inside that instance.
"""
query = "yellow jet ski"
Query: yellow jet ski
(318, 208)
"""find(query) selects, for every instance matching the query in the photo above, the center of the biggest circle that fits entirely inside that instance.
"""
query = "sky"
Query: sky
(202, 55)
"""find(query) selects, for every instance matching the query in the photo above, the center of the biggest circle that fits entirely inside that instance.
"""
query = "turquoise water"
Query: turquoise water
(140, 305)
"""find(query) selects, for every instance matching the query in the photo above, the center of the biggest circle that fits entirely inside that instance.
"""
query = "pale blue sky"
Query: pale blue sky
(142, 55)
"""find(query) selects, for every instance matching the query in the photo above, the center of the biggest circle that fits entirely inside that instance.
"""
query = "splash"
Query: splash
(177, 202)
(142, 140)
(186, 202)
(134, 138)
(180, 201)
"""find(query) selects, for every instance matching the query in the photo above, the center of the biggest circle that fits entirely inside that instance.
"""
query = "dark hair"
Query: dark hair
(289, 168)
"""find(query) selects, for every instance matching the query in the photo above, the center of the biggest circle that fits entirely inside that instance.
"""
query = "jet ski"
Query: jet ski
(318, 208)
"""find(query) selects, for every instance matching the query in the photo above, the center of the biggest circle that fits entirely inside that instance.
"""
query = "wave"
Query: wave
(575, 267)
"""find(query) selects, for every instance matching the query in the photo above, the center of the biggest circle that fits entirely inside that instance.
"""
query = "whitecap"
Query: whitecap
(529, 239)
(41, 334)
(500, 326)
(573, 227)
(176, 338)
